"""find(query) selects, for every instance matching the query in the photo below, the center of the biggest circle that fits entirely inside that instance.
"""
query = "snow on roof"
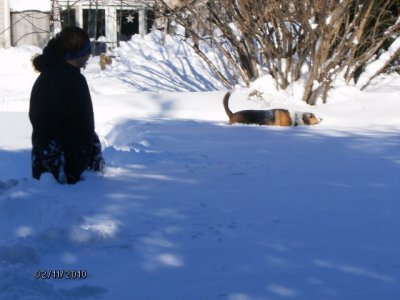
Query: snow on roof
(24, 5)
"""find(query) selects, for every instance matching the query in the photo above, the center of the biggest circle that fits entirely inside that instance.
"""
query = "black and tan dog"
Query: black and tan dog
(276, 117)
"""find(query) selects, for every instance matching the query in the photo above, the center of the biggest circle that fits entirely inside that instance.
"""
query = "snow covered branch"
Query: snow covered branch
(313, 40)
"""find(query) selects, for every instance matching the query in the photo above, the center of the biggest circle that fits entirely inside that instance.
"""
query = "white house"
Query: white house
(33, 22)
(107, 21)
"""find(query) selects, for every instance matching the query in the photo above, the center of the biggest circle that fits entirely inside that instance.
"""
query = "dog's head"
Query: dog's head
(307, 118)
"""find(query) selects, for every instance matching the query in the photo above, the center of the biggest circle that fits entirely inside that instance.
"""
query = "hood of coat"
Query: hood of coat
(50, 56)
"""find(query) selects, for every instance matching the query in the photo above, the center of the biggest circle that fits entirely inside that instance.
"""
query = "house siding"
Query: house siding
(5, 32)
(2, 24)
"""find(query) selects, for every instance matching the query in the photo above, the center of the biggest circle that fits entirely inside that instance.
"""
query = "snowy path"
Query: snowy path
(191, 210)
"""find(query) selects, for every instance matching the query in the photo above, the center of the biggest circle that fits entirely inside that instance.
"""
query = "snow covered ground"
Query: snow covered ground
(192, 208)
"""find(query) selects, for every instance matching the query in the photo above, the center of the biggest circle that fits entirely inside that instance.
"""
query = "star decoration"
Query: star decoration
(130, 18)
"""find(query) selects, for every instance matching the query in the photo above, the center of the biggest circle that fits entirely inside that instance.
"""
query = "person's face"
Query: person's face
(79, 62)
(82, 61)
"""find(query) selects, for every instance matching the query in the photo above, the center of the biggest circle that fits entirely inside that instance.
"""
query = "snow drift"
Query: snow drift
(191, 208)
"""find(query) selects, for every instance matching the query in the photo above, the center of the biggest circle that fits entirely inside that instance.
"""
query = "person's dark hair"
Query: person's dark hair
(72, 42)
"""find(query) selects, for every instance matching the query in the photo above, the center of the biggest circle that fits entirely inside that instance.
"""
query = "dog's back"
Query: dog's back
(280, 117)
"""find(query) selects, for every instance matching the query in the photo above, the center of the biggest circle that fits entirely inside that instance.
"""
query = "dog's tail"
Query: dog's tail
(225, 102)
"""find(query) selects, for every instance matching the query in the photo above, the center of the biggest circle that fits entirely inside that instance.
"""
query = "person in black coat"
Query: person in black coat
(64, 142)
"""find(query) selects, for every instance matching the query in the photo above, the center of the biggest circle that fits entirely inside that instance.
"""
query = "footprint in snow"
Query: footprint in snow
(9, 183)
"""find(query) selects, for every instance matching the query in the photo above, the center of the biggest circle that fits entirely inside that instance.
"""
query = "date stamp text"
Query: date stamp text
(61, 274)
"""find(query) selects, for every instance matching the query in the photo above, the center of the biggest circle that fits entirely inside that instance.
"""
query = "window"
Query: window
(68, 18)
(94, 22)
(128, 21)
(149, 20)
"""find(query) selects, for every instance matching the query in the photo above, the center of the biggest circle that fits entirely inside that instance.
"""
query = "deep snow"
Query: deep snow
(192, 208)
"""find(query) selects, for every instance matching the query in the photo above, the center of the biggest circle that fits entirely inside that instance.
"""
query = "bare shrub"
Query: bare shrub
(312, 40)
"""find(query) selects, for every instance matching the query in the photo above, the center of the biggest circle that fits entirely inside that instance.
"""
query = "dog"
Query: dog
(274, 117)
(105, 60)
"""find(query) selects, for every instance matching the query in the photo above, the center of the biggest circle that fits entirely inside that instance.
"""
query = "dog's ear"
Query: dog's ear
(306, 117)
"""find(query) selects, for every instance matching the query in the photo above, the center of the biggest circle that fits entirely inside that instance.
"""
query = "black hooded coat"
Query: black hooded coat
(61, 112)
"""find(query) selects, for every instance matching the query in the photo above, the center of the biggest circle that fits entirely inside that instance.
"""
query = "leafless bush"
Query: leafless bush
(312, 40)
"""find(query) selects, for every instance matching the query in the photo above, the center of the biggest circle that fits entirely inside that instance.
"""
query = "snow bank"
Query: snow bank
(25, 5)
(16, 77)
(17, 60)
(149, 64)
(377, 65)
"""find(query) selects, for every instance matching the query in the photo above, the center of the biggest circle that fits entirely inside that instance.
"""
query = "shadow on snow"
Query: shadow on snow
(231, 212)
